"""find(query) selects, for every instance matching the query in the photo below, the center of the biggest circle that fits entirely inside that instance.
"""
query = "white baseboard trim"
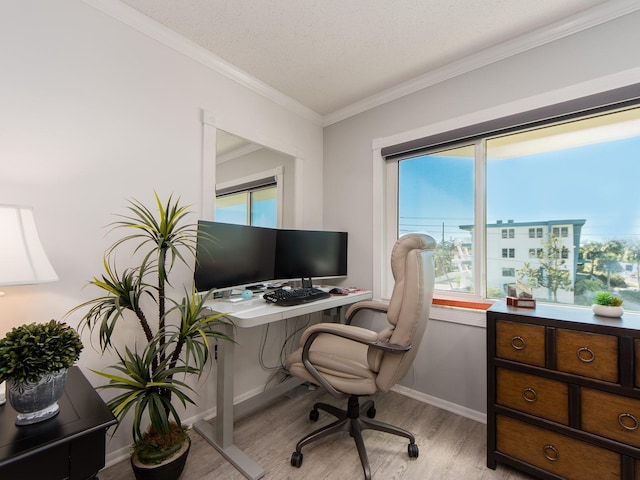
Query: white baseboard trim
(440, 403)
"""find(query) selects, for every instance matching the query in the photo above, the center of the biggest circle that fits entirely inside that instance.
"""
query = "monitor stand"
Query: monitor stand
(306, 283)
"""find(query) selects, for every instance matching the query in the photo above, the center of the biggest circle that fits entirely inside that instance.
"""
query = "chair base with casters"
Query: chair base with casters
(352, 421)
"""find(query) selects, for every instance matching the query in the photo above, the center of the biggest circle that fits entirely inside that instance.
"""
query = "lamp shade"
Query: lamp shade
(22, 258)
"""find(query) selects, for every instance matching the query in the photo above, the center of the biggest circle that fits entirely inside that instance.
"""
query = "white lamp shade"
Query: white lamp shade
(22, 258)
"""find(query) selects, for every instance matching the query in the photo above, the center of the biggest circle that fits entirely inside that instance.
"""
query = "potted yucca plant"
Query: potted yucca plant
(151, 372)
(34, 360)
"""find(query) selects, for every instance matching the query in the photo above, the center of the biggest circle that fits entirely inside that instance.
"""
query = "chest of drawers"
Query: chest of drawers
(563, 392)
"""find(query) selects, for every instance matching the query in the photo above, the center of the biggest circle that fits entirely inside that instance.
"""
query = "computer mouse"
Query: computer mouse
(338, 291)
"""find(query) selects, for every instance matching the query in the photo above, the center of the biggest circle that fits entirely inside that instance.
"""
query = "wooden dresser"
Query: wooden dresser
(563, 392)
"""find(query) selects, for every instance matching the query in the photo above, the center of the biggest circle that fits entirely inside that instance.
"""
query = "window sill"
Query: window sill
(461, 304)
(460, 312)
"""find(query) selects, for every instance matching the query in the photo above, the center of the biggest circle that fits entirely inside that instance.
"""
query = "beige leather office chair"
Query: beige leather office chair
(352, 361)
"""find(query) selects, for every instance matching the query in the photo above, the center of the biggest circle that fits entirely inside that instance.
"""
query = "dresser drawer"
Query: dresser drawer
(556, 453)
(520, 342)
(533, 394)
(611, 416)
(587, 354)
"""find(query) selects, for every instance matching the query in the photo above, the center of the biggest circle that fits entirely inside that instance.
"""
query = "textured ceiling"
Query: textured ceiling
(328, 54)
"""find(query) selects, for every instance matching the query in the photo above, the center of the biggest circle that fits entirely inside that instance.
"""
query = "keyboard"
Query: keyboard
(295, 296)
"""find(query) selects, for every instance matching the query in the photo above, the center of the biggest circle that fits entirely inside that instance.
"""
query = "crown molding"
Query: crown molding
(133, 18)
(597, 15)
(590, 18)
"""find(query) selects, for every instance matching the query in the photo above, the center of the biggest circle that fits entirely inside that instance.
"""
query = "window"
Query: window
(508, 272)
(561, 231)
(436, 197)
(535, 252)
(566, 184)
(256, 207)
(255, 199)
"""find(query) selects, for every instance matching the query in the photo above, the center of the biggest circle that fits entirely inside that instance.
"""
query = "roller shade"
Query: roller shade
(259, 183)
(617, 98)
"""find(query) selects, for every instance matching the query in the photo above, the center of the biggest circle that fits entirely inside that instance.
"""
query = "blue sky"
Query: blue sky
(599, 183)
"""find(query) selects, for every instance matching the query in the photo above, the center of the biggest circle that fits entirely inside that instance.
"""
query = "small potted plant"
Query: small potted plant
(34, 360)
(607, 304)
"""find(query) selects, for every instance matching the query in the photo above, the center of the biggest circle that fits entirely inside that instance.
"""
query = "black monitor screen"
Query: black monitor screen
(230, 255)
(308, 253)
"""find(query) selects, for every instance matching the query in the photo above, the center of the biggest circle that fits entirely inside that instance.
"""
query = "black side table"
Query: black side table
(70, 445)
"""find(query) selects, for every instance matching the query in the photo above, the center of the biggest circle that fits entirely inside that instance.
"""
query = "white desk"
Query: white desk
(246, 314)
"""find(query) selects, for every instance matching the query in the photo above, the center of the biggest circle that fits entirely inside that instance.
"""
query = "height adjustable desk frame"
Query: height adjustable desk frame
(253, 313)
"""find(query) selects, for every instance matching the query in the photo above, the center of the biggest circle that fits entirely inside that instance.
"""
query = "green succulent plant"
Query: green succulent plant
(29, 351)
(608, 299)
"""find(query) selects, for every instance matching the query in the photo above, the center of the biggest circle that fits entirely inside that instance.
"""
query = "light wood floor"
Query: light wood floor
(451, 447)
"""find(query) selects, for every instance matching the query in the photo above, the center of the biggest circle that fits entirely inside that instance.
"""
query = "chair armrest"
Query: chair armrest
(373, 305)
(359, 334)
(391, 347)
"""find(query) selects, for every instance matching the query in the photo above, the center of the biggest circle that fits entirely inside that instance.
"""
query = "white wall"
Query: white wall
(94, 112)
(452, 358)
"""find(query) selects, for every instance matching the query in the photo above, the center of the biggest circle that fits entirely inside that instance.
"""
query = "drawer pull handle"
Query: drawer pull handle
(518, 343)
(586, 355)
(551, 453)
(633, 426)
(529, 395)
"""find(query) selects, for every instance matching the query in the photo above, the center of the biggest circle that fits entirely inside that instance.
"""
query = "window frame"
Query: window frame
(385, 158)
(254, 182)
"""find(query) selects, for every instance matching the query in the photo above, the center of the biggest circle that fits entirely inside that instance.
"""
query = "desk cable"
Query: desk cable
(280, 368)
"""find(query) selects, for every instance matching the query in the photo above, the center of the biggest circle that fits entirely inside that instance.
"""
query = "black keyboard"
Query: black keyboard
(295, 296)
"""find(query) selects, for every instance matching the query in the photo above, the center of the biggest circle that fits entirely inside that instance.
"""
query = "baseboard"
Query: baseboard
(440, 403)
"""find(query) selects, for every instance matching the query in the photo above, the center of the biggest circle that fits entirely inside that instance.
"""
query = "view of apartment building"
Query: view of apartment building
(511, 245)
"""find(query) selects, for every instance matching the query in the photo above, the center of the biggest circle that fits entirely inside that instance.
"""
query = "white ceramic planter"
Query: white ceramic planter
(607, 310)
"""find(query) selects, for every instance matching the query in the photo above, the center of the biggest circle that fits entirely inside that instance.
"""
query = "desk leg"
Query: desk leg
(222, 437)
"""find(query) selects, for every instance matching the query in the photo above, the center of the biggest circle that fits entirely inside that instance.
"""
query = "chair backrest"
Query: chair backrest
(414, 274)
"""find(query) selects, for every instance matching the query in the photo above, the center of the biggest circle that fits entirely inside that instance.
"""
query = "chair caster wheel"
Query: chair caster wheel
(371, 413)
(314, 415)
(413, 450)
(296, 459)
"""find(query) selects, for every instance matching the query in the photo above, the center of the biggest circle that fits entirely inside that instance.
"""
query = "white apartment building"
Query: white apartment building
(512, 244)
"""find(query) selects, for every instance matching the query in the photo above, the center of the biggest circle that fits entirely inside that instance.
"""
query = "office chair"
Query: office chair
(352, 361)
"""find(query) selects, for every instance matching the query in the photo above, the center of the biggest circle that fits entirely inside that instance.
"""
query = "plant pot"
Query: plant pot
(607, 310)
(37, 401)
(169, 469)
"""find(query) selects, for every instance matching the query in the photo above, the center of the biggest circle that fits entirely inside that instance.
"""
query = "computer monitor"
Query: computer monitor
(306, 254)
(230, 256)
